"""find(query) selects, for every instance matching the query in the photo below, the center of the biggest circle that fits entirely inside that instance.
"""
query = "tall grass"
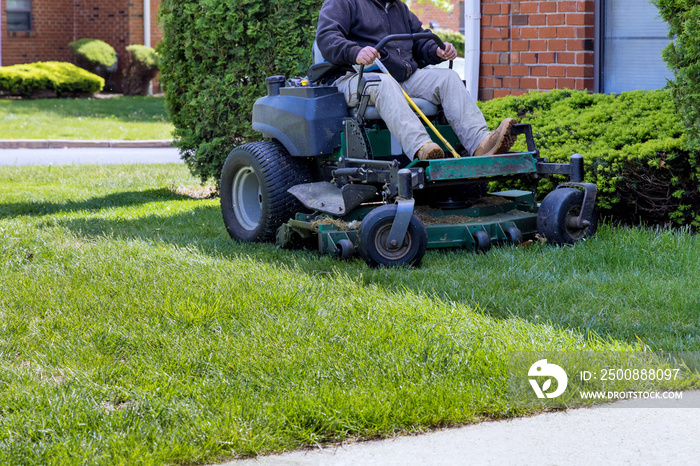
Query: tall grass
(134, 331)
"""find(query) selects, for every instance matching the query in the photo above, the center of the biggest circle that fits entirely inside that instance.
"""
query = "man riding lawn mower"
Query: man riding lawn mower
(348, 165)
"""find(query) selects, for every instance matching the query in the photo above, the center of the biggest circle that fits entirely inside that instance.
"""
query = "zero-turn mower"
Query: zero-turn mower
(336, 178)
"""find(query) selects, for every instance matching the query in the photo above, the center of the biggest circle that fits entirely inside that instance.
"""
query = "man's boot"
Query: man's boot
(430, 151)
(499, 141)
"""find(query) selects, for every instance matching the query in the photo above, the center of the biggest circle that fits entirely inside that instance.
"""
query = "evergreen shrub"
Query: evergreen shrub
(634, 147)
(215, 56)
(683, 58)
(57, 78)
(94, 54)
(141, 67)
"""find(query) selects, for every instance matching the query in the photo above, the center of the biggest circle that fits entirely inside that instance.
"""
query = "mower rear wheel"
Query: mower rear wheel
(254, 184)
(556, 214)
(374, 231)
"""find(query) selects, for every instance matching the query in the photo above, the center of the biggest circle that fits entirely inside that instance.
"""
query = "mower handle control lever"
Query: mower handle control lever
(393, 37)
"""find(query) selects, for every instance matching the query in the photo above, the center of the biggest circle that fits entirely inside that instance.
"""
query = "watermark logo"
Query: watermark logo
(543, 369)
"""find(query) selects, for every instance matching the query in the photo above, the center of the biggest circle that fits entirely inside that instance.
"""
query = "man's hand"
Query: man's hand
(367, 56)
(450, 53)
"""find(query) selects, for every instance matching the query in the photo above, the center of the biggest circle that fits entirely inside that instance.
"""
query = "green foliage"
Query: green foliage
(634, 147)
(444, 5)
(65, 79)
(94, 53)
(144, 56)
(141, 68)
(215, 57)
(683, 57)
(453, 37)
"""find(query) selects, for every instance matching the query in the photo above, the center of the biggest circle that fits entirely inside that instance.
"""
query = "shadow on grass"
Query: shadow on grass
(500, 283)
(127, 109)
(120, 199)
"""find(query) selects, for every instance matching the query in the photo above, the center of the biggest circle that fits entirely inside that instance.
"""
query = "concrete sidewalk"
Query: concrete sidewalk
(89, 155)
(626, 432)
(68, 143)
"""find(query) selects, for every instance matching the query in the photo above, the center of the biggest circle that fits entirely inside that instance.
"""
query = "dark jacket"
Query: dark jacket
(347, 26)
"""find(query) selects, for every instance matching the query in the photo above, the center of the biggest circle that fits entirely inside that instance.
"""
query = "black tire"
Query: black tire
(556, 209)
(344, 249)
(254, 184)
(482, 241)
(374, 230)
(514, 235)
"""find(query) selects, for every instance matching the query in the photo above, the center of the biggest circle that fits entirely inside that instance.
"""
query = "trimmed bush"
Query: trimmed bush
(634, 146)
(453, 37)
(94, 54)
(97, 57)
(141, 67)
(59, 79)
(215, 57)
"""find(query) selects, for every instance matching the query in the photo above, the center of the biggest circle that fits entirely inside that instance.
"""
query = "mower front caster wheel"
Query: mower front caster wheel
(344, 249)
(557, 214)
(374, 231)
(482, 241)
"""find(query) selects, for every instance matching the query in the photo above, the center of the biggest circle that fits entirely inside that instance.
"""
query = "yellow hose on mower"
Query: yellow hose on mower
(420, 113)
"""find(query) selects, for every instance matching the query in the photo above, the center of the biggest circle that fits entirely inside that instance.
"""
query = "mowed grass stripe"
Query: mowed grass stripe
(128, 118)
(136, 332)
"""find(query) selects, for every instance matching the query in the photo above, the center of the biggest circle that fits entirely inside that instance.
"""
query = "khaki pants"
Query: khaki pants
(438, 85)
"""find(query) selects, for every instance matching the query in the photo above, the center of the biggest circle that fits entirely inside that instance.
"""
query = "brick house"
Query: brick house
(40, 30)
(598, 45)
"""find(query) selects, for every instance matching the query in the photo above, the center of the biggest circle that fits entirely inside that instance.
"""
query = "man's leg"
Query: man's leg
(443, 87)
(394, 110)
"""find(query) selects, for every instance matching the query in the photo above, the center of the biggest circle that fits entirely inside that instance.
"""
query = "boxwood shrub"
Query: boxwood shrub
(63, 79)
(634, 146)
(141, 67)
(94, 54)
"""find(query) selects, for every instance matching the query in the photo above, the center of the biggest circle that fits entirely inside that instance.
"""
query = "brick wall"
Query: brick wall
(446, 20)
(55, 23)
(52, 29)
(535, 45)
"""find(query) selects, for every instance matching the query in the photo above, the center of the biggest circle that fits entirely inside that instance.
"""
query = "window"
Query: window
(19, 15)
(631, 36)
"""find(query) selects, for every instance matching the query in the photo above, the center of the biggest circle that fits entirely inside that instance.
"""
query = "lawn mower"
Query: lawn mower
(335, 178)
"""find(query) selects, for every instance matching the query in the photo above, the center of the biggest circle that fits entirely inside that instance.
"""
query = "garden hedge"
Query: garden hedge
(93, 54)
(215, 56)
(634, 146)
(55, 78)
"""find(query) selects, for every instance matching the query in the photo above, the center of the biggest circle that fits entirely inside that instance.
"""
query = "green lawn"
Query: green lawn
(128, 118)
(134, 331)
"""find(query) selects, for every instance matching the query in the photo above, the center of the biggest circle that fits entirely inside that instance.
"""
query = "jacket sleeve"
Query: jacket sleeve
(333, 31)
(424, 50)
